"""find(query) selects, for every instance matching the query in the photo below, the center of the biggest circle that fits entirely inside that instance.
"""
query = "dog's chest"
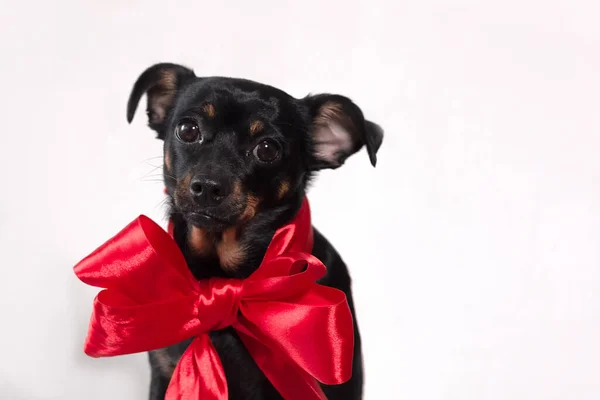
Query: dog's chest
(244, 379)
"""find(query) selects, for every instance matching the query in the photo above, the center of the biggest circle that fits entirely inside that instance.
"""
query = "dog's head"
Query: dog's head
(240, 153)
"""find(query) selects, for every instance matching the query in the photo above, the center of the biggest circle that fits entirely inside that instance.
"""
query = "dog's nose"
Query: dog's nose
(207, 191)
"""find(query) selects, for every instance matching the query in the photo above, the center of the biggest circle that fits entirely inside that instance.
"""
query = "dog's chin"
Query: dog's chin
(208, 221)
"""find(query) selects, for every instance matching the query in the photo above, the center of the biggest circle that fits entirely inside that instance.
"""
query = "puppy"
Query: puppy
(238, 156)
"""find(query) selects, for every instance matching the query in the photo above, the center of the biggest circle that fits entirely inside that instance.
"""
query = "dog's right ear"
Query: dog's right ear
(160, 83)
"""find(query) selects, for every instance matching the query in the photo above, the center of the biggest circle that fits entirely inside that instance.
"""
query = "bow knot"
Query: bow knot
(298, 332)
(218, 303)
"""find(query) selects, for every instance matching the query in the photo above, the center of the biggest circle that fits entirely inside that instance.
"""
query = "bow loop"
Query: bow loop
(120, 326)
(141, 261)
(292, 274)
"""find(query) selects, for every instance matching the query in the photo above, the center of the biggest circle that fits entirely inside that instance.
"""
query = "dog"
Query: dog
(238, 158)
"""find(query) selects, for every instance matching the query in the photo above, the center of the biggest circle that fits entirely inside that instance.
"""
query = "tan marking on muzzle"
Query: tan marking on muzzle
(284, 188)
(184, 184)
(230, 251)
(251, 208)
(181, 192)
(236, 192)
(200, 241)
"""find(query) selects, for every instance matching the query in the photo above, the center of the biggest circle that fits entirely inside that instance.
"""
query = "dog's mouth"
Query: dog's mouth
(213, 219)
(208, 220)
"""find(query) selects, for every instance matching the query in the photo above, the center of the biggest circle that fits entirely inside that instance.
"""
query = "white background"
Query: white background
(474, 245)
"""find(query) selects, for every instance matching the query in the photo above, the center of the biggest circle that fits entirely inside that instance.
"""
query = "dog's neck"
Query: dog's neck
(234, 253)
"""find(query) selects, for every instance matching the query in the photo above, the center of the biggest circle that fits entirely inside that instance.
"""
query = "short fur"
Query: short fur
(226, 203)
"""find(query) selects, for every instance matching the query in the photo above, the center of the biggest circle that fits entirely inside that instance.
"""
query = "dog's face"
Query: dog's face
(236, 150)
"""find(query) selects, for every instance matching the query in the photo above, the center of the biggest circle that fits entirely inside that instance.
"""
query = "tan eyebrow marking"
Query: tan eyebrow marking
(209, 109)
(256, 127)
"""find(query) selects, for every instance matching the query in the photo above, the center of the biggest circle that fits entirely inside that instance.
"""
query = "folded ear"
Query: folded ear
(160, 83)
(339, 130)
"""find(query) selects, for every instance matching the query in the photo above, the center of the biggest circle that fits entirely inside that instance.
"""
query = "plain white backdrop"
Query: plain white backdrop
(474, 245)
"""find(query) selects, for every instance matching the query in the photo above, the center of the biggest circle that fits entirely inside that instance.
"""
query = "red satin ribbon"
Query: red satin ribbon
(298, 332)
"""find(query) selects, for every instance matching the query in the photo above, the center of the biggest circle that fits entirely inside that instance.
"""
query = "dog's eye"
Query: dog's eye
(188, 132)
(266, 151)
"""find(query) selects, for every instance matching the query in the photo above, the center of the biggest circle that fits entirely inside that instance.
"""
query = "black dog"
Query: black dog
(238, 156)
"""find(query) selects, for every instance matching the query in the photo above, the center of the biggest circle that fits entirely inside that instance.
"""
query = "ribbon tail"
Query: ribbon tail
(290, 381)
(199, 374)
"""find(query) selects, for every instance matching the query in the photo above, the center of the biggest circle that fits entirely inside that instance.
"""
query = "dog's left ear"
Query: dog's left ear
(161, 83)
(339, 130)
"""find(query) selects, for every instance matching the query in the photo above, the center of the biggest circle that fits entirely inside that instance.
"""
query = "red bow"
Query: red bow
(297, 331)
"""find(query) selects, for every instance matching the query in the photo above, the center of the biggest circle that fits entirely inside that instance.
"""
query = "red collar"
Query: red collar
(150, 300)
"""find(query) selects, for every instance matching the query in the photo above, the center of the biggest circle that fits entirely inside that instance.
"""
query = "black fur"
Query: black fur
(217, 184)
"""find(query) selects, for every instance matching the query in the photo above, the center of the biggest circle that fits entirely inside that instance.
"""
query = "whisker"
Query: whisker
(162, 203)
(152, 180)
(152, 158)
(152, 170)
(149, 175)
